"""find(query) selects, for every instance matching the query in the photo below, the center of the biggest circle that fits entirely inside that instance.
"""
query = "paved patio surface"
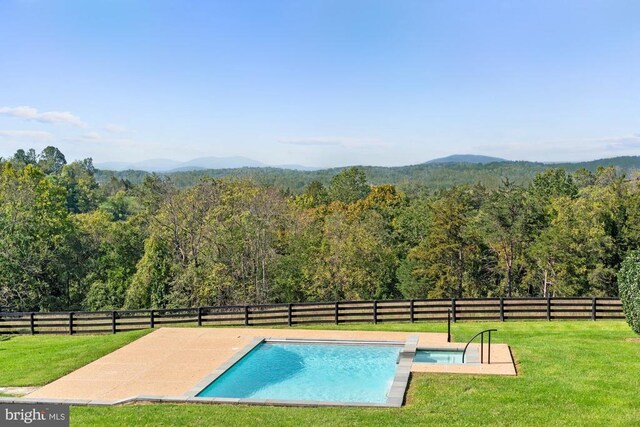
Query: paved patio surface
(170, 361)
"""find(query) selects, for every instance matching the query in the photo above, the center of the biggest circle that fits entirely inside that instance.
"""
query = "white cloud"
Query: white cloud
(113, 128)
(26, 134)
(336, 142)
(30, 113)
(94, 136)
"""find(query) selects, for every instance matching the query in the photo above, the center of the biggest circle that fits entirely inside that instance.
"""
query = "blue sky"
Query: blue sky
(321, 83)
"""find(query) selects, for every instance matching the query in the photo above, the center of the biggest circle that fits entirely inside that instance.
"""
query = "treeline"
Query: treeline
(67, 242)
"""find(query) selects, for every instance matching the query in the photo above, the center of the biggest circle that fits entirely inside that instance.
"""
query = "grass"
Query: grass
(27, 360)
(570, 373)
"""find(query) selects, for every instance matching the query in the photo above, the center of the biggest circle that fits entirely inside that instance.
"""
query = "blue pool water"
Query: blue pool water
(438, 356)
(321, 372)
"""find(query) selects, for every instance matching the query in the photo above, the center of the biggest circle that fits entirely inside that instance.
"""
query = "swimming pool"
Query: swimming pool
(450, 357)
(321, 372)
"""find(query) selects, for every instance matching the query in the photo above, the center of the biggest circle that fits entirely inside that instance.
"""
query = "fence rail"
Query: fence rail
(415, 310)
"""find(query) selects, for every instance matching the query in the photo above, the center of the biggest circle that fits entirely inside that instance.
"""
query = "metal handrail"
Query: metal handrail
(481, 334)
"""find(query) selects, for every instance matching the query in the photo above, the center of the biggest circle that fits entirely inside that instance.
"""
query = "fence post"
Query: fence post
(289, 320)
(337, 310)
(375, 312)
(593, 309)
(71, 323)
(113, 322)
(501, 309)
(548, 308)
(448, 325)
(411, 312)
(32, 323)
(152, 320)
(453, 309)
(246, 315)
(199, 316)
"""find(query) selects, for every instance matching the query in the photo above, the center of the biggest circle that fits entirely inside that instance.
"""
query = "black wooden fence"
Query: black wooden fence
(417, 310)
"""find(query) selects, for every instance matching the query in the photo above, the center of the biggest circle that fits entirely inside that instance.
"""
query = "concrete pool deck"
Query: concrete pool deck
(172, 361)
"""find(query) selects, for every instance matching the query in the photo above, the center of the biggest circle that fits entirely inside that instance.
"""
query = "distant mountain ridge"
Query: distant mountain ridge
(168, 166)
(408, 178)
(467, 158)
(232, 165)
(235, 162)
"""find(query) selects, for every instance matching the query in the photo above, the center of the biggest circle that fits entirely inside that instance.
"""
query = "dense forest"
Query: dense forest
(75, 238)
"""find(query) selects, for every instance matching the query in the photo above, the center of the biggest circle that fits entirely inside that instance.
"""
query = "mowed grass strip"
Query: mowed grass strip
(27, 360)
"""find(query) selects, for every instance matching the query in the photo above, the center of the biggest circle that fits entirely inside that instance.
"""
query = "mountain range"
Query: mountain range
(436, 174)
(200, 163)
(222, 166)
(467, 158)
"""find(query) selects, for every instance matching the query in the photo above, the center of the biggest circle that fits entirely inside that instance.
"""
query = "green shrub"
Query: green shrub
(629, 288)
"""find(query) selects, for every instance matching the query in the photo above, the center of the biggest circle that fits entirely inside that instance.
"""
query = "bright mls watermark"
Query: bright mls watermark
(34, 415)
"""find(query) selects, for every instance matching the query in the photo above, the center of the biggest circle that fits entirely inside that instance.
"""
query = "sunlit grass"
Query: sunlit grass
(27, 360)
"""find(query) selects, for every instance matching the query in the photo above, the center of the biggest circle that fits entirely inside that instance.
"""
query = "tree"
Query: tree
(112, 250)
(121, 206)
(349, 186)
(412, 223)
(150, 284)
(552, 183)
(51, 160)
(441, 265)
(629, 288)
(219, 240)
(504, 223)
(605, 176)
(82, 189)
(294, 271)
(569, 253)
(357, 261)
(317, 193)
(35, 232)
(23, 158)
(583, 178)
(631, 226)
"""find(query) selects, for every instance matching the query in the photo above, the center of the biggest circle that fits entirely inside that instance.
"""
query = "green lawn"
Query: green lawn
(27, 360)
(570, 373)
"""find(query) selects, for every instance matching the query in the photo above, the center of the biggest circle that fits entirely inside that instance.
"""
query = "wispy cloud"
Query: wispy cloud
(97, 139)
(623, 142)
(30, 113)
(113, 128)
(585, 146)
(93, 136)
(26, 134)
(345, 142)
